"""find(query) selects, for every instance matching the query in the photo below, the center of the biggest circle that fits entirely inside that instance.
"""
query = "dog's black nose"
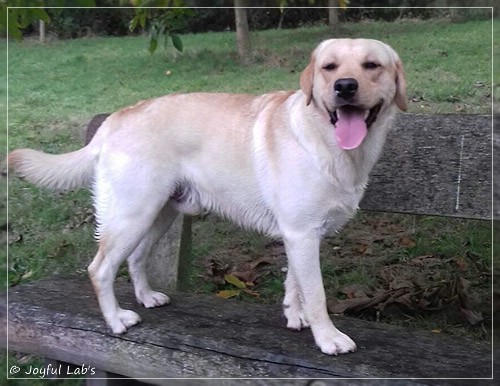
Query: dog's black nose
(345, 87)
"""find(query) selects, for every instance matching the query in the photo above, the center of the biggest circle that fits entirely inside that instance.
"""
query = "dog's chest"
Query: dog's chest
(342, 208)
(335, 219)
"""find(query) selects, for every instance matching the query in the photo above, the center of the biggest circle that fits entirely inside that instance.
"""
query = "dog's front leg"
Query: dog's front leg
(304, 265)
(293, 304)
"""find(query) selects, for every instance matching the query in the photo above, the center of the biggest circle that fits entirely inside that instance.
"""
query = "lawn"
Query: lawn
(54, 90)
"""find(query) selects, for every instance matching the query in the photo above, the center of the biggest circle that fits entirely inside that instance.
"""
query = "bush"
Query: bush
(72, 23)
(77, 22)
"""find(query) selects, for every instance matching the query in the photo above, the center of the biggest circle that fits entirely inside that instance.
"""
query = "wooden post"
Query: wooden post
(163, 262)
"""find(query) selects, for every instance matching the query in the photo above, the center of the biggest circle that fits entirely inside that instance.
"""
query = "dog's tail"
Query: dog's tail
(57, 172)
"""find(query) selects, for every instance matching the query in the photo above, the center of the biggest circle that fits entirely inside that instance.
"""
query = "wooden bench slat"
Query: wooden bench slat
(424, 158)
(203, 336)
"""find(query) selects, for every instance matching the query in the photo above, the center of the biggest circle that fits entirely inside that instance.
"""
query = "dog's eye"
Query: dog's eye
(370, 65)
(330, 66)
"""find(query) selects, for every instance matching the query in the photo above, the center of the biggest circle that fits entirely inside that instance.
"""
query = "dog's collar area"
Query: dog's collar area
(371, 116)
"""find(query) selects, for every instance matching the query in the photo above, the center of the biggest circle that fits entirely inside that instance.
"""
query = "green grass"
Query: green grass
(56, 88)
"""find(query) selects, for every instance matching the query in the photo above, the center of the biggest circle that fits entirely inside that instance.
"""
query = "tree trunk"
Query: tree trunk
(333, 14)
(282, 17)
(242, 31)
(42, 31)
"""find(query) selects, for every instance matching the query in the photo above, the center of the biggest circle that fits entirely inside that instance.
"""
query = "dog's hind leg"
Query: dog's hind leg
(102, 272)
(137, 260)
(125, 212)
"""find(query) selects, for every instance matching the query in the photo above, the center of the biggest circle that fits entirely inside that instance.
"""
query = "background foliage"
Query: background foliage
(109, 20)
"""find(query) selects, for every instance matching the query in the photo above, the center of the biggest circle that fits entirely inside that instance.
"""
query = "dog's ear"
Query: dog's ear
(400, 97)
(307, 80)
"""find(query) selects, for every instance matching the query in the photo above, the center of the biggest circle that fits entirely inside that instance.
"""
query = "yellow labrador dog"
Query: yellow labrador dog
(290, 164)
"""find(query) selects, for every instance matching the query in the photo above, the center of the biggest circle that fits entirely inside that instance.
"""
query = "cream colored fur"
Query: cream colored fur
(269, 162)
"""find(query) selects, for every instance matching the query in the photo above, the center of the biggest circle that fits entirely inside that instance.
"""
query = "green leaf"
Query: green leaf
(176, 40)
(343, 4)
(80, 3)
(227, 294)
(133, 23)
(234, 281)
(153, 44)
(142, 19)
(282, 5)
(40, 14)
(21, 16)
(14, 32)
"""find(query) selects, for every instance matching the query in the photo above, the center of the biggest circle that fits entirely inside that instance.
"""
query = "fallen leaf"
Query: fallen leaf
(234, 281)
(16, 239)
(63, 245)
(250, 292)
(227, 294)
(355, 290)
(407, 242)
(364, 249)
(427, 260)
(356, 304)
(405, 300)
(399, 283)
(216, 270)
(473, 317)
(462, 264)
(260, 261)
(251, 271)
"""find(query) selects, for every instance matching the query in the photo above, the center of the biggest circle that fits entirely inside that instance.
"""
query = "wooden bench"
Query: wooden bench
(432, 164)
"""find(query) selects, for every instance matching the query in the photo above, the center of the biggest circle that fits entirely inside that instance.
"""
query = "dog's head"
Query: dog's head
(352, 80)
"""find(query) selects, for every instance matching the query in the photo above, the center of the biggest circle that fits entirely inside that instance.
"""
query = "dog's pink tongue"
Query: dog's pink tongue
(350, 127)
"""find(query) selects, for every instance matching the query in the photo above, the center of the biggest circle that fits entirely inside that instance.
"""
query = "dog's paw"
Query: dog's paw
(296, 319)
(123, 320)
(337, 343)
(151, 299)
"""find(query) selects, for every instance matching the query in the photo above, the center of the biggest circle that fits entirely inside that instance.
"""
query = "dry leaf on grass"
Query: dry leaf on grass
(227, 294)
(423, 284)
(231, 279)
(407, 242)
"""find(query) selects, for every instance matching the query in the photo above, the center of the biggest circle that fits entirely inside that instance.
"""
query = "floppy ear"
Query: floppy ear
(400, 97)
(307, 80)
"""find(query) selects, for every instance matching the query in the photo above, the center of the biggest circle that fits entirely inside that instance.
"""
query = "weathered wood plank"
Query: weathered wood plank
(201, 336)
(435, 164)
